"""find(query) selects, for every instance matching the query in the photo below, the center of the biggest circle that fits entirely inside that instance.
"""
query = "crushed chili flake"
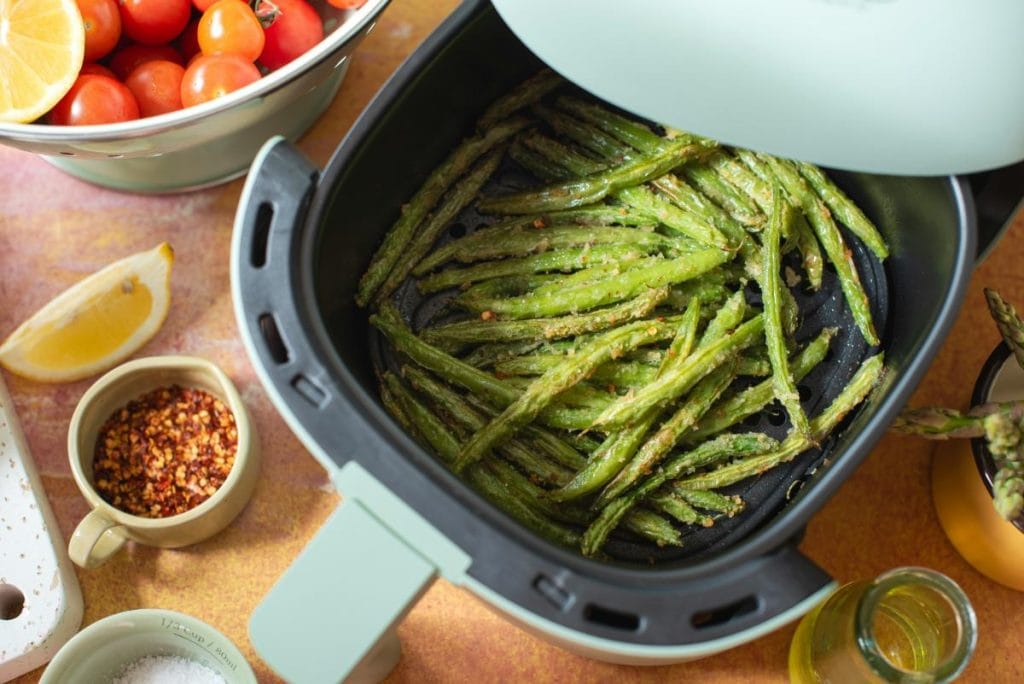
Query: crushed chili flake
(165, 452)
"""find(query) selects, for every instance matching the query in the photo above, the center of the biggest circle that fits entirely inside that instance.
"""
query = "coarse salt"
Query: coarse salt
(166, 669)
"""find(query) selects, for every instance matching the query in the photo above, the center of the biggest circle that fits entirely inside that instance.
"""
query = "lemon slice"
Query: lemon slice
(96, 323)
(42, 43)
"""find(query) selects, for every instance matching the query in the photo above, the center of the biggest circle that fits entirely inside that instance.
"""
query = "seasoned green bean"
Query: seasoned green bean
(523, 95)
(845, 209)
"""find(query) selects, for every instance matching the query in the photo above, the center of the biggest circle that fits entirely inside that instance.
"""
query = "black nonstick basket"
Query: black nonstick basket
(302, 240)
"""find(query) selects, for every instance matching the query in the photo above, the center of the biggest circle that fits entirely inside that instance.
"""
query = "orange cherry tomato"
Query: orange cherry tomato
(347, 4)
(211, 76)
(156, 86)
(102, 27)
(231, 27)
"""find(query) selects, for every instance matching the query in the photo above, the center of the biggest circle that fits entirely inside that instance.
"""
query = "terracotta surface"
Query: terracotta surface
(54, 230)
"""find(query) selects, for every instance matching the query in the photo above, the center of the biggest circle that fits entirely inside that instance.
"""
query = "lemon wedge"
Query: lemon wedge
(42, 43)
(96, 323)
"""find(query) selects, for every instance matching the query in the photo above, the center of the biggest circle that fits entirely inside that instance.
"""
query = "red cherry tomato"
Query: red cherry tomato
(95, 99)
(202, 5)
(156, 86)
(188, 41)
(211, 76)
(154, 22)
(295, 29)
(102, 27)
(231, 27)
(347, 4)
(125, 60)
(90, 68)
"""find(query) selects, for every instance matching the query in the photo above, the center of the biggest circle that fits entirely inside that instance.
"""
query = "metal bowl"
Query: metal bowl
(213, 142)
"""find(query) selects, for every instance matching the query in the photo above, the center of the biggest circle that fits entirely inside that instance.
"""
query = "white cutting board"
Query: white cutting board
(33, 558)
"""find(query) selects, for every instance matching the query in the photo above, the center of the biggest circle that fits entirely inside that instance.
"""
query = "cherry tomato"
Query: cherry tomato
(347, 4)
(295, 29)
(91, 68)
(154, 22)
(124, 61)
(202, 5)
(102, 27)
(211, 76)
(95, 99)
(188, 41)
(230, 26)
(156, 86)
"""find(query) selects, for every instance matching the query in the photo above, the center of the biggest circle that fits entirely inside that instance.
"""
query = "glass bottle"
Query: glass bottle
(907, 625)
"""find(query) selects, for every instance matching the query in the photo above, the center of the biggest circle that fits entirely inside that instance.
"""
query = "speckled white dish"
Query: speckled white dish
(33, 560)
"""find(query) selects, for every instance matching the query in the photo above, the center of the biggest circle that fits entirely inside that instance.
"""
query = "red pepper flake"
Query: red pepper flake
(165, 453)
(487, 315)
(538, 223)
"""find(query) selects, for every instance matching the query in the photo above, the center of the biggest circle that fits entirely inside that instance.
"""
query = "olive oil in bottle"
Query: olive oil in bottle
(908, 625)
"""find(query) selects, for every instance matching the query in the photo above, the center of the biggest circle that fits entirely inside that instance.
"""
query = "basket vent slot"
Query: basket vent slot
(719, 616)
(310, 390)
(556, 595)
(607, 617)
(261, 234)
(272, 337)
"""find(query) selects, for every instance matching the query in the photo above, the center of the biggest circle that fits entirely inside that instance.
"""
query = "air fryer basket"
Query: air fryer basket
(303, 239)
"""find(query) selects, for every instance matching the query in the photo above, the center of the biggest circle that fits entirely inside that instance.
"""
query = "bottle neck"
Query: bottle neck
(915, 625)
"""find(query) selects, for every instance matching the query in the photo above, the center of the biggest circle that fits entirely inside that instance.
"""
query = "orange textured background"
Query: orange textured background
(54, 230)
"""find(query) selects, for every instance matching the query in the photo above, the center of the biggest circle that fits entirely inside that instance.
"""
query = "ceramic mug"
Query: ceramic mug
(962, 475)
(105, 529)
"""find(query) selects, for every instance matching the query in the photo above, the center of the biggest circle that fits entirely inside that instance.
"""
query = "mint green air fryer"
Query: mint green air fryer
(303, 237)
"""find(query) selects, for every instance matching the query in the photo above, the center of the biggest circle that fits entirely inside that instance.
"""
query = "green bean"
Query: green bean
(845, 209)
(572, 161)
(537, 164)
(595, 187)
(661, 442)
(403, 231)
(498, 243)
(523, 95)
(728, 316)
(394, 407)
(775, 337)
(750, 401)
(678, 508)
(644, 274)
(625, 129)
(735, 172)
(547, 328)
(753, 367)
(686, 337)
(831, 241)
(488, 354)
(650, 525)
(585, 135)
(722, 447)
(502, 496)
(686, 197)
(464, 191)
(869, 374)
(571, 371)
(708, 500)
(735, 203)
(425, 422)
(621, 374)
(679, 380)
(567, 259)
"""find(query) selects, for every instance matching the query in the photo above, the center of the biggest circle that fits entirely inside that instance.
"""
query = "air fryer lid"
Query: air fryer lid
(901, 86)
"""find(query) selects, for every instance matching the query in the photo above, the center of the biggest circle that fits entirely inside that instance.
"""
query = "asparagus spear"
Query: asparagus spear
(403, 231)
(595, 187)
(1009, 323)
(679, 380)
(775, 335)
(845, 209)
(1008, 491)
(856, 390)
(942, 423)
(547, 328)
(568, 259)
(646, 273)
(542, 391)
(523, 95)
